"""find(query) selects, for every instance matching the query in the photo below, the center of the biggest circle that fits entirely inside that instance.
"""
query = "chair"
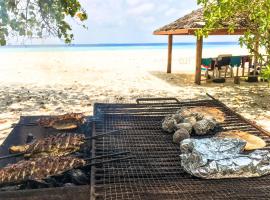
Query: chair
(236, 61)
(206, 66)
(223, 61)
(246, 59)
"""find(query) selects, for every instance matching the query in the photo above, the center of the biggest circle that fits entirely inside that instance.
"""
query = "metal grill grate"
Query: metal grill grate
(155, 172)
(29, 189)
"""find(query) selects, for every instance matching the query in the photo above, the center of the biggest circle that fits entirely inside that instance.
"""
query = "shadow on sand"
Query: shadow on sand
(181, 79)
(176, 79)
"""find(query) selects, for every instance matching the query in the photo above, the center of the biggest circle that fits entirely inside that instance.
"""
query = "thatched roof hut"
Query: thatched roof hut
(187, 25)
(190, 22)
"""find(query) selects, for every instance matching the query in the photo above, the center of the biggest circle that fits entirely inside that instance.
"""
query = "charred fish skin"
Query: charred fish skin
(49, 122)
(58, 145)
(19, 149)
(38, 169)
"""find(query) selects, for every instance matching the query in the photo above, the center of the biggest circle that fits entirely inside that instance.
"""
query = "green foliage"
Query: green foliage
(38, 18)
(255, 15)
(266, 74)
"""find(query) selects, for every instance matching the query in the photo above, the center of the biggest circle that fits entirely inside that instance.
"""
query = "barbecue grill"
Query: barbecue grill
(155, 171)
(36, 190)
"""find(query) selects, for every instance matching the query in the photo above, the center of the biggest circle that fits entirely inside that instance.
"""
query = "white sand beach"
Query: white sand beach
(42, 83)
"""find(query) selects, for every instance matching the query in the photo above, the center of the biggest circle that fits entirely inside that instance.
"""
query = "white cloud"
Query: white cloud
(104, 13)
(145, 8)
(172, 12)
(130, 21)
(133, 2)
(147, 20)
(162, 7)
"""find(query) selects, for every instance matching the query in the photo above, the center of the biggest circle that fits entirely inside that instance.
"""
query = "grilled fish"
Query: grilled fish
(58, 145)
(209, 112)
(63, 122)
(38, 169)
(253, 142)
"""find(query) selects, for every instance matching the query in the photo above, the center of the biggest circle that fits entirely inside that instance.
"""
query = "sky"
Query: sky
(131, 21)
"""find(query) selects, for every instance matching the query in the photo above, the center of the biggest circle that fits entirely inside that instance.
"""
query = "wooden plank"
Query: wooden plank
(198, 60)
(192, 31)
(220, 32)
(170, 43)
(172, 32)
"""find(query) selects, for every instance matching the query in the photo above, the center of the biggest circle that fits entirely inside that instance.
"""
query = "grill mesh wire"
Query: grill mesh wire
(155, 172)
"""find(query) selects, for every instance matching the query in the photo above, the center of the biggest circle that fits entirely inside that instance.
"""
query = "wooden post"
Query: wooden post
(237, 78)
(243, 66)
(198, 60)
(170, 43)
(256, 56)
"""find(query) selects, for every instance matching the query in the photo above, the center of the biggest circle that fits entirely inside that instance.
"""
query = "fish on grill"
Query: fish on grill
(253, 142)
(63, 122)
(38, 169)
(215, 113)
(57, 145)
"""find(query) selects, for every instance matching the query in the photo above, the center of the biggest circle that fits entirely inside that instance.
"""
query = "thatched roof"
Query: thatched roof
(195, 20)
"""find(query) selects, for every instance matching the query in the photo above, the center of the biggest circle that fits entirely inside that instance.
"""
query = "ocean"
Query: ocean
(114, 47)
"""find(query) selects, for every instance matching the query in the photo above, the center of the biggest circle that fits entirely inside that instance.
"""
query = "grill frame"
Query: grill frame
(141, 188)
(59, 193)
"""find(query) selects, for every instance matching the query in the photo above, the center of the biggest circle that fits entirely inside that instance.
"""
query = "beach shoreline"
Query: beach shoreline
(49, 83)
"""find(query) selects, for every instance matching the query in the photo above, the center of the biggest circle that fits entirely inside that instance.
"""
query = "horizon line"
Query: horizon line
(114, 44)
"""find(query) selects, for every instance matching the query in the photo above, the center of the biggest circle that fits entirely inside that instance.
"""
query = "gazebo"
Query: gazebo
(187, 25)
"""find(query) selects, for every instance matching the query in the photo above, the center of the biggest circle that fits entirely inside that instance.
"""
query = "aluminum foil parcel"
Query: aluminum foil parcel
(219, 158)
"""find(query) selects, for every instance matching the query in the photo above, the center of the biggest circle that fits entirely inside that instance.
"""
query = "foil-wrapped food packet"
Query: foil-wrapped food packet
(219, 158)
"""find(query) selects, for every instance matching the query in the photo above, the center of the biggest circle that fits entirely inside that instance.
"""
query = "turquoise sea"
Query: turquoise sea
(114, 47)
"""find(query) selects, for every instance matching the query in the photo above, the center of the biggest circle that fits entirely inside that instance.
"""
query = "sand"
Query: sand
(42, 83)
